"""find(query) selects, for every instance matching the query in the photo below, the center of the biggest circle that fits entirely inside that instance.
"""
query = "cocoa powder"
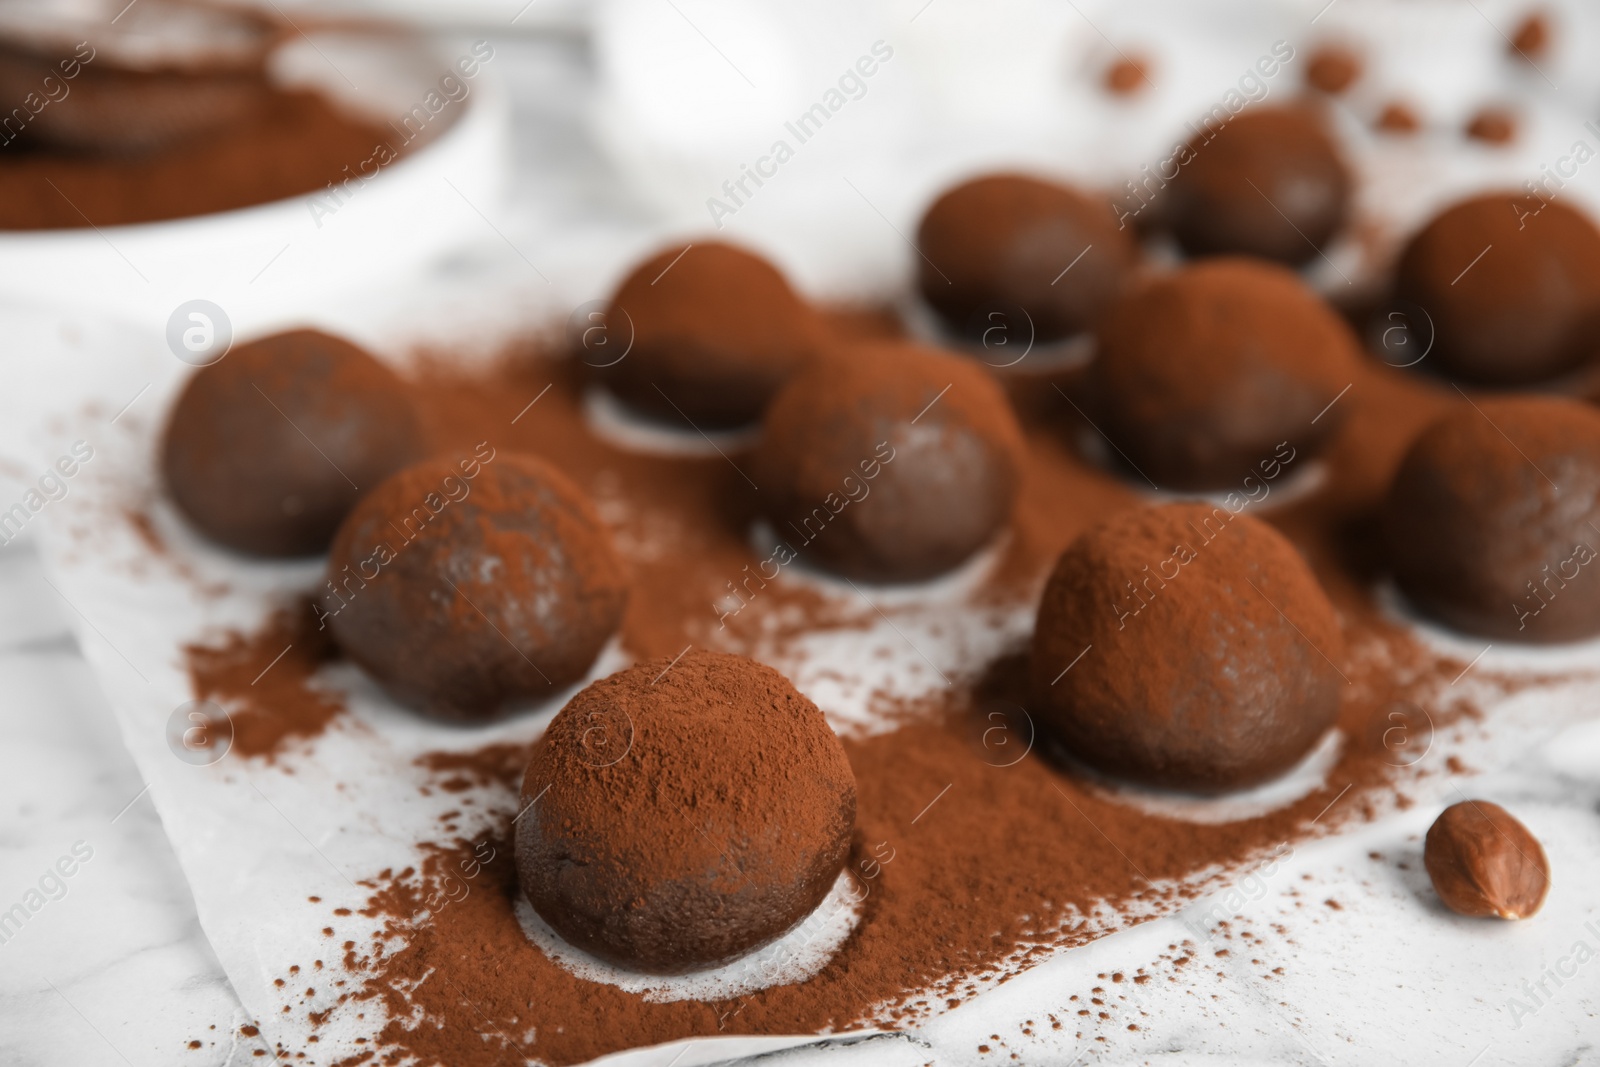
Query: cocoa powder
(271, 701)
(1016, 859)
(294, 143)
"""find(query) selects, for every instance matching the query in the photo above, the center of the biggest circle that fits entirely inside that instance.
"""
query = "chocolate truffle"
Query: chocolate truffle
(268, 449)
(1269, 183)
(714, 331)
(1512, 285)
(680, 815)
(1493, 521)
(1006, 241)
(1204, 374)
(888, 462)
(1211, 650)
(467, 586)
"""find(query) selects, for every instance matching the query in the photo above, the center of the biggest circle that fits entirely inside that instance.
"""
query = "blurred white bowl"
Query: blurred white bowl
(270, 263)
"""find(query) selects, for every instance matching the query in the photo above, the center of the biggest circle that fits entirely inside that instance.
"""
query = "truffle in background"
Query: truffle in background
(1511, 284)
(1005, 242)
(1268, 183)
(1493, 520)
(267, 450)
(1220, 372)
(714, 330)
(1201, 650)
(888, 462)
(469, 586)
(688, 813)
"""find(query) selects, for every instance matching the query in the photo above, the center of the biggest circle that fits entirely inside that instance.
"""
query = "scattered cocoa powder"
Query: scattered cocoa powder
(1013, 864)
(270, 700)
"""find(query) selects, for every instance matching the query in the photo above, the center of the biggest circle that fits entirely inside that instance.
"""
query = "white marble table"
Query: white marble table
(116, 969)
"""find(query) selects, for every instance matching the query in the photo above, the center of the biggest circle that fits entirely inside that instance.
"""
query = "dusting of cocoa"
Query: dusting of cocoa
(989, 868)
(298, 143)
(266, 681)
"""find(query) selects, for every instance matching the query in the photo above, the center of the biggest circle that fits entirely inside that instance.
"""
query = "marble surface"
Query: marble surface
(119, 970)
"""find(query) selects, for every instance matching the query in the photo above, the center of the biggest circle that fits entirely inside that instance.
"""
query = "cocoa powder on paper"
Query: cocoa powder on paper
(271, 701)
(977, 858)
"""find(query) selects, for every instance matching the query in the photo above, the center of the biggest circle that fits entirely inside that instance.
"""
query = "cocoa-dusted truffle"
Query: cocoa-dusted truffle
(715, 331)
(1511, 284)
(1211, 650)
(888, 462)
(1002, 242)
(1493, 521)
(679, 815)
(268, 449)
(1204, 374)
(1269, 183)
(467, 586)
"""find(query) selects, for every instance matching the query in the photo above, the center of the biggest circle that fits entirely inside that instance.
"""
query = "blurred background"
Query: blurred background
(465, 170)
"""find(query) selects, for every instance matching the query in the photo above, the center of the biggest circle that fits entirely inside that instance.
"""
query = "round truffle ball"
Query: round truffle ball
(680, 815)
(1210, 650)
(1493, 520)
(1005, 242)
(465, 587)
(268, 449)
(1204, 375)
(1511, 285)
(714, 330)
(1269, 183)
(888, 462)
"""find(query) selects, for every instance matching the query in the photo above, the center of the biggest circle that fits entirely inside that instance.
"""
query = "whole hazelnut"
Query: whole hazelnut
(1484, 862)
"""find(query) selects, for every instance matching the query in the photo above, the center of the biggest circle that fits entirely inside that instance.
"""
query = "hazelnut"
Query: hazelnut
(1532, 37)
(1127, 75)
(1484, 862)
(1492, 125)
(1333, 69)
